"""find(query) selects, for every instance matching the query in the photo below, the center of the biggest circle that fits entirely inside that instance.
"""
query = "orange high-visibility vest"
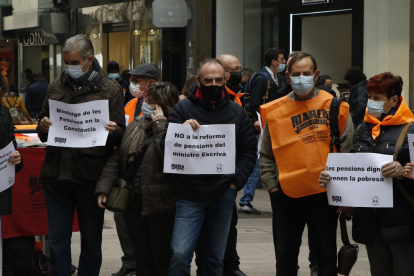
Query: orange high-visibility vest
(130, 109)
(300, 136)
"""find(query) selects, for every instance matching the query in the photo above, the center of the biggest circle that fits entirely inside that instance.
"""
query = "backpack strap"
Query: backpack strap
(334, 125)
(398, 146)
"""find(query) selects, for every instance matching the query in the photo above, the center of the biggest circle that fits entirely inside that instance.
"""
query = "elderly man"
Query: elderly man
(292, 180)
(69, 175)
(207, 201)
(141, 76)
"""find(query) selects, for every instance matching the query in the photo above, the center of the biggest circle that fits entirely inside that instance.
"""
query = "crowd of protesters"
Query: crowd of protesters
(170, 216)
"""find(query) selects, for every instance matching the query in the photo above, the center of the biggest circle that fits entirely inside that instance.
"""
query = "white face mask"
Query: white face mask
(281, 67)
(376, 108)
(302, 85)
(136, 90)
(147, 110)
(75, 71)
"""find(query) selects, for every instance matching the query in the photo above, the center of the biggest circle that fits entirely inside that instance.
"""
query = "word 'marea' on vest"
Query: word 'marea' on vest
(301, 126)
(312, 117)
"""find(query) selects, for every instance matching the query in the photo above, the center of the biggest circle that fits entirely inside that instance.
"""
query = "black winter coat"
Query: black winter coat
(224, 111)
(358, 99)
(258, 90)
(384, 225)
(7, 136)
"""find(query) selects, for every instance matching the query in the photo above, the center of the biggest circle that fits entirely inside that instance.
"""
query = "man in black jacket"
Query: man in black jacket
(35, 95)
(270, 75)
(207, 200)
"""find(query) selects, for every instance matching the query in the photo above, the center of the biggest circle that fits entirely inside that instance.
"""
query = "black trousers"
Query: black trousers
(231, 258)
(290, 215)
(151, 240)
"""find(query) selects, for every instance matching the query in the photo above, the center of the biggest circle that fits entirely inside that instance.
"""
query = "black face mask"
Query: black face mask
(234, 82)
(212, 92)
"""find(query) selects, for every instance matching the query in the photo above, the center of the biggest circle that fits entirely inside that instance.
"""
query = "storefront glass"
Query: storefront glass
(261, 30)
(111, 28)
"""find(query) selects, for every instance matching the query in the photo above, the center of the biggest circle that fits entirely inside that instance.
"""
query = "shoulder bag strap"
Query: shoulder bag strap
(398, 146)
(344, 231)
(334, 125)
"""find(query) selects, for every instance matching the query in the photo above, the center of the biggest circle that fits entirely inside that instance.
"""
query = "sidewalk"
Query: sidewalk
(255, 244)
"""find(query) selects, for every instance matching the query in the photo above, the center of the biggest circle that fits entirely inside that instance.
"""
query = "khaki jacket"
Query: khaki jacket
(157, 188)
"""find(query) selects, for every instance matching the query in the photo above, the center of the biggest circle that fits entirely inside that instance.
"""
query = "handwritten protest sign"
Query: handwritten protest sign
(357, 181)
(7, 170)
(208, 150)
(78, 125)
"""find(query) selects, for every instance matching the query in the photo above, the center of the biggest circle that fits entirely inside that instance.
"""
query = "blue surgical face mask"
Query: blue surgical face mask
(75, 71)
(113, 75)
(147, 110)
(376, 108)
(302, 85)
(281, 67)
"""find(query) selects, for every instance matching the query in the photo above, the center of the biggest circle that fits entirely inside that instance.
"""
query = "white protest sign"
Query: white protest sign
(357, 181)
(78, 125)
(7, 170)
(211, 149)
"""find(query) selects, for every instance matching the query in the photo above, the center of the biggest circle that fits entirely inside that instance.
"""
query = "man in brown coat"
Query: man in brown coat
(69, 175)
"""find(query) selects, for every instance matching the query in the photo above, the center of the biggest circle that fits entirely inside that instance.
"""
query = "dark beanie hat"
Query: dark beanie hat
(112, 66)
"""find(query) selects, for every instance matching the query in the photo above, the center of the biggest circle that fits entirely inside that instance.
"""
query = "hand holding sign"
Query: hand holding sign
(408, 170)
(193, 123)
(15, 158)
(45, 124)
(111, 127)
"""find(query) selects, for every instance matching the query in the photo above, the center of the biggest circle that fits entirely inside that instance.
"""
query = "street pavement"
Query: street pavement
(255, 244)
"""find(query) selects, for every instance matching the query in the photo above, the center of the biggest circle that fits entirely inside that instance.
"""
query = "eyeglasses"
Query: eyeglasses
(219, 80)
(149, 101)
(235, 69)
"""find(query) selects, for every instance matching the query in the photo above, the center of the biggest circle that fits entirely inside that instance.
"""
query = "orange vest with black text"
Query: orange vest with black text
(300, 135)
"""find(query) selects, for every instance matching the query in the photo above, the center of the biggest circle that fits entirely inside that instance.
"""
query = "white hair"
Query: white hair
(80, 43)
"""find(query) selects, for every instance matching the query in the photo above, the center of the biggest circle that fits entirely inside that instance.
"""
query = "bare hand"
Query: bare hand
(392, 169)
(101, 199)
(193, 123)
(15, 158)
(323, 179)
(273, 190)
(111, 127)
(408, 170)
(158, 114)
(45, 124)
(256, 126)
(233, 186)
(182, 97)
(346, 211)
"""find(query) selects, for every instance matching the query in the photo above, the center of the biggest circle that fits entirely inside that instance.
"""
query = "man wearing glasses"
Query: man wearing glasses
(141, 77)
(206, 202)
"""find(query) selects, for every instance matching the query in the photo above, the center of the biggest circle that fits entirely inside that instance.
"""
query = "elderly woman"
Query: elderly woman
(150, 219)
(388, 233)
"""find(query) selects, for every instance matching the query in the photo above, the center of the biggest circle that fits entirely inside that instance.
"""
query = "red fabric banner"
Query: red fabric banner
(29, 215)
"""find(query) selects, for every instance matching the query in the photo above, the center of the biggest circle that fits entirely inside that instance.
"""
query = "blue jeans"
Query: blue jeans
(62, 198)
(189, 218)
(250, 187)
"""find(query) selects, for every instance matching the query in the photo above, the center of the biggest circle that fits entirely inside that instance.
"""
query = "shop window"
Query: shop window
(115, 37)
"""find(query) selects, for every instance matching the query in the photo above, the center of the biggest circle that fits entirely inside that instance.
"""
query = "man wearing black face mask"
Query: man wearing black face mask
(233, 74)
(206, 202)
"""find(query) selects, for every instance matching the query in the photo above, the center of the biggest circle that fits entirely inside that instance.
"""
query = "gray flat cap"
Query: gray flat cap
(147, 69)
